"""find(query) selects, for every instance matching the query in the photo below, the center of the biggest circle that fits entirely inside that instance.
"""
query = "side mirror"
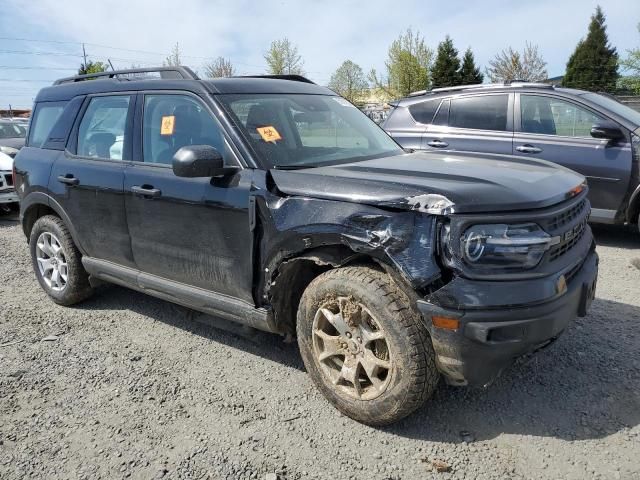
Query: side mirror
(607, 130)
(200, 161)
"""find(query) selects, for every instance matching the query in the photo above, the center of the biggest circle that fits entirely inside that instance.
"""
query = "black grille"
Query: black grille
(560, 220)
(8, 179)
(568, 240)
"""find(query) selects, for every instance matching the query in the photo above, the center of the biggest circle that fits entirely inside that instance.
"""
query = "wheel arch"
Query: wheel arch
(39, 204)
(633, 210)
(291, 277)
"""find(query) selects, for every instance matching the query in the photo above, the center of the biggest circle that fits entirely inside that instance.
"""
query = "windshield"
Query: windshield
(12, 130)
(615, 107)
(301, 131)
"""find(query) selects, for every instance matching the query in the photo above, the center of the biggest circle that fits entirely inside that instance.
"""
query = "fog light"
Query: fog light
(448, 323)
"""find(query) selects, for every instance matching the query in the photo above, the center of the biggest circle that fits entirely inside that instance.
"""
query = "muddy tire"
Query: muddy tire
(364, 345)
(56, 262)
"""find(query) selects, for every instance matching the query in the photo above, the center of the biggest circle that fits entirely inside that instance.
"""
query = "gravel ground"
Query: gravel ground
(127, 386)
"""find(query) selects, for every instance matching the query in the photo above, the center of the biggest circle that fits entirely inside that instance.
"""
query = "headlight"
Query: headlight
(8, 151)
(504, 246)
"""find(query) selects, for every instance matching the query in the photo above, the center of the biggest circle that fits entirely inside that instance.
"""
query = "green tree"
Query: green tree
(283, 58)
(407, 66)
(175, 57)
(510, 65)
(92, 67)
(349, 81)
(470, 74)
(220, 67)
(445, 72)
(631, 65)
(594, 63)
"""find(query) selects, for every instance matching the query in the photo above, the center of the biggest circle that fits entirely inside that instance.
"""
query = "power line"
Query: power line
(15, 67)
(25, 80)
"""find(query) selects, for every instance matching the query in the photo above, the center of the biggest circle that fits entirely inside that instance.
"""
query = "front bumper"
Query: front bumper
(7, 191)
(489, 339)
(9, 196)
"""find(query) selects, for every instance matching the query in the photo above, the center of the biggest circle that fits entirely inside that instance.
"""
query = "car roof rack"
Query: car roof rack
(166, 73)
(508, 83)
(293, 78)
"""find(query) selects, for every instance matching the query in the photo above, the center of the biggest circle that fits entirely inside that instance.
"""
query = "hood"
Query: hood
(439, 182)
(16, 142)
(6, 162)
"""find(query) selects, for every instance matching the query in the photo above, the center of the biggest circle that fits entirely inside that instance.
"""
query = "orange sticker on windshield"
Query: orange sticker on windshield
(269, 134)
(168, 122)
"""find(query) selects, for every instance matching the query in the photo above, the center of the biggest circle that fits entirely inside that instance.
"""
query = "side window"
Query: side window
(171, 122)
(552, 116)
(486, 112)
(423, 112)
(44, 118)
(102, 129)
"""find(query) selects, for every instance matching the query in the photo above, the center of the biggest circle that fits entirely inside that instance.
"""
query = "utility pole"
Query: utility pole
(84, 55)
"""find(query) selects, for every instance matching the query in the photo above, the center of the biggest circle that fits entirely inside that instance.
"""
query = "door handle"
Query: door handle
(68, 179)
(437, 143)
(528, 149)
(146, 191)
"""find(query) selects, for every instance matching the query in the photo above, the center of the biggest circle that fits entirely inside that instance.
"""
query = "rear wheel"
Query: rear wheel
(57, 262)
(365, 346)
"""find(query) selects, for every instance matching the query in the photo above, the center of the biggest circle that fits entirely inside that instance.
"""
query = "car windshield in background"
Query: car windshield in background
(12, 130)
(300, 131)
(614, 106)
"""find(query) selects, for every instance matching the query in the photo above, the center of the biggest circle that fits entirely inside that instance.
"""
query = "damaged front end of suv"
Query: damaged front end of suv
(492, 283)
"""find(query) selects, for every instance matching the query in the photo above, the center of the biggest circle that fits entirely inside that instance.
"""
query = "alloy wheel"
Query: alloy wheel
(52, 261)
(351, 348)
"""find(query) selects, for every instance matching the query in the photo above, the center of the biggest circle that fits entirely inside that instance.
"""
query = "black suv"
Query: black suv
(275, 203)
(591, 133)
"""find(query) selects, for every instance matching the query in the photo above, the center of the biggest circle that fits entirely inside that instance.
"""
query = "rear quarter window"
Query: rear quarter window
(45, 116)
(423, 112)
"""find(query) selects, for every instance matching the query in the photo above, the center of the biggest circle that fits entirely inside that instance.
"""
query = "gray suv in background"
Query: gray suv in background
(590, 133)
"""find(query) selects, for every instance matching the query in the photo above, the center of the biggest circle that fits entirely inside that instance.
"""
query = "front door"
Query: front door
(472, 123)
(87, 178)
(191, 230)
(558, 130)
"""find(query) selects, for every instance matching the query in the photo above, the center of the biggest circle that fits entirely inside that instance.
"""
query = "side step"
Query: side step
(212, 303)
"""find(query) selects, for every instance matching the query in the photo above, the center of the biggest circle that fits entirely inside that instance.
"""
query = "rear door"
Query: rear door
(557, 129)
(407, 125)
(474, 123)
(87, 178)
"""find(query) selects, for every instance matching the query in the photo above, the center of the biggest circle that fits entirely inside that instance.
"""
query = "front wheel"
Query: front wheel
(364, 345)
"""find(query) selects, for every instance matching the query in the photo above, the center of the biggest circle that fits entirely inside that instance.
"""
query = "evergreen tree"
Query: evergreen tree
(594, 63)
(470, 74)
(92, 67)
(446, 68)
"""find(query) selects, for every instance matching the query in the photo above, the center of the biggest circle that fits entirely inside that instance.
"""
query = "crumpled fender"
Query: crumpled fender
(401, 239)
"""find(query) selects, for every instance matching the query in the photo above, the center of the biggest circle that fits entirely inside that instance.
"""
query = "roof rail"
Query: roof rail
(509, 83)
(293, 78)
(177, 72)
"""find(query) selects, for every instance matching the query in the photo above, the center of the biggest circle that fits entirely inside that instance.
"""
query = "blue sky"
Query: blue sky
(326, 32)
